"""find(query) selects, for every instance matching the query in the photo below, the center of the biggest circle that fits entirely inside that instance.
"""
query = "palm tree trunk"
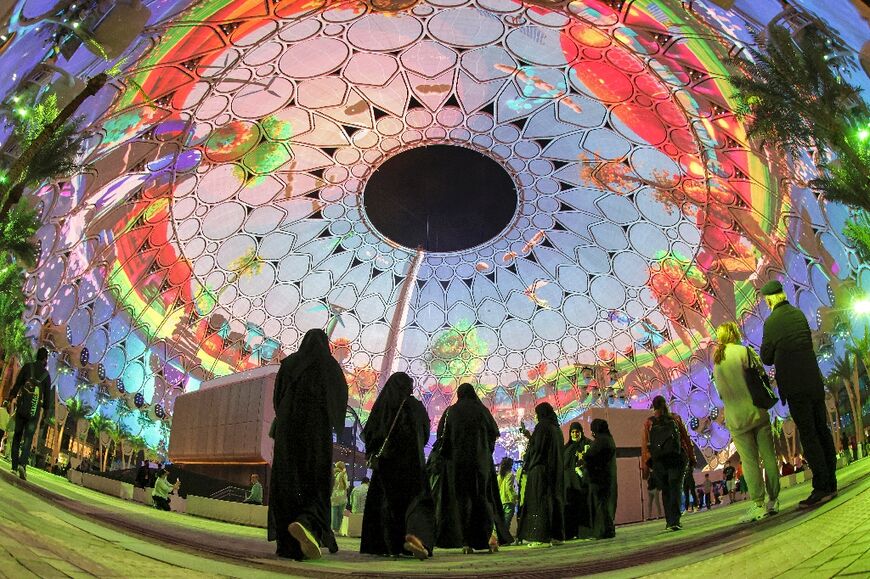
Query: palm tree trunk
(853, 390)
(56, 451)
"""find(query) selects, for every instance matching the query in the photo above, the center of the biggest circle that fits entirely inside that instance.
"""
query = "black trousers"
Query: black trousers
(689, 498)
(669, 478)
(161, 503)
(811, 419)
(22, 440)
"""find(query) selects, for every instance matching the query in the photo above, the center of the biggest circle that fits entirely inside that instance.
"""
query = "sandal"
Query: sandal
(415, 546)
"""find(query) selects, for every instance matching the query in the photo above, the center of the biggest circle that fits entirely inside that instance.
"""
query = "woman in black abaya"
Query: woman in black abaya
(601, 462)
(543, 505)
(465, 512)
(578, 518)
(310, 399)
(398, 514)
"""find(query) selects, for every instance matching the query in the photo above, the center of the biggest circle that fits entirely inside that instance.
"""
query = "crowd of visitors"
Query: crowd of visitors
(457, 498)
(564, 489)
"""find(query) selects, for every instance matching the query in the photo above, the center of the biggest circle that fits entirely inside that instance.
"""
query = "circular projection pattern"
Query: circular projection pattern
(440, 198)
(226, 207)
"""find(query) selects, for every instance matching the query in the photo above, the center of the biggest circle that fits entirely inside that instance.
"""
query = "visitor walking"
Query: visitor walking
(578, 516)
(728, 476)
(541, 522)
(708, 491)
(689, 496)
(398, 515)
(338, 499)
(788, 345)
(32, 391)
(601, 461)
(749, 425)
(359, 496)
(507, 489)
(310, 399)
(666, 454)
(844, 446)
(464, 511)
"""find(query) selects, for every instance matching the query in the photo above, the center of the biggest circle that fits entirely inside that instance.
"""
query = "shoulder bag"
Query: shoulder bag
(374, 460)
(759, 384)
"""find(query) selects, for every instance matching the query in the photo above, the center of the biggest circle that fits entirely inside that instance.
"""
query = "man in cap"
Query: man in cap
(788, 345)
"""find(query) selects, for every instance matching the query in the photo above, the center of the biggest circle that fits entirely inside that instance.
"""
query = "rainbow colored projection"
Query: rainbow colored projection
(220, 215)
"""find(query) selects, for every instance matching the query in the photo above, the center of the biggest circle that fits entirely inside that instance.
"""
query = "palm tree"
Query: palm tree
(99, 425)
(118, 434)
(794, 95)
(49, 149)
(834, 386)
(16, 234)
(76, 411)
(13, 340)
(139, 442)
(847, 371)
(791, 89)
(857, 231)
(859, 349)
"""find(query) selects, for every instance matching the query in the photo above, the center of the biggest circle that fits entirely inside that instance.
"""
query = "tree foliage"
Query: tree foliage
(793, 95)
(17, 231)
(13, 340)
(857, 231)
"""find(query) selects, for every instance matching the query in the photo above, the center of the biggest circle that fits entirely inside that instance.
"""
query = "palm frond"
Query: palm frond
(16, 233)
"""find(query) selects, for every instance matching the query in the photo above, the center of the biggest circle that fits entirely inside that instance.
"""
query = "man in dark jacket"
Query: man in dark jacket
(788, 345)
(32, 389)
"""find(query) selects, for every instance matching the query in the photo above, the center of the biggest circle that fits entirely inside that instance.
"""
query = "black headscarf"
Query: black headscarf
(314, 348)
(600, 426)
(314, 353)
(397, 389)
(545, 413)
(466, 392)
(572, 447)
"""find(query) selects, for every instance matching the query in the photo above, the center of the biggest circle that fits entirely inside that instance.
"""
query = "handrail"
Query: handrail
(231, 493)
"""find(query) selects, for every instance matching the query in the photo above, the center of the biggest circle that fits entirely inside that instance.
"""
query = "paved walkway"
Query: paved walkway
(52, 528)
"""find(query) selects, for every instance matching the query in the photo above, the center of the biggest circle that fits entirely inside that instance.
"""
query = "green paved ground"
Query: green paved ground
(49, 530)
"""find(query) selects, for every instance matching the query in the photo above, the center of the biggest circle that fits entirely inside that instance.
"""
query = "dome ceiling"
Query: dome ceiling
(222, 213)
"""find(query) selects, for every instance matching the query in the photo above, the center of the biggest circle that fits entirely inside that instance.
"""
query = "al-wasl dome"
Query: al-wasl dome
(555, 201)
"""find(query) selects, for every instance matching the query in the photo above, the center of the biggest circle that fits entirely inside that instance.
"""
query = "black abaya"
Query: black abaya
(398, 501)
(601, 462)
(310, 399)
(465, 512)
(578, 517)
(543, 505)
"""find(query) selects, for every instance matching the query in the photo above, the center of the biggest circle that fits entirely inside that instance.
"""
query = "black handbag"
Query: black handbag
(759, 384)
(374, 460)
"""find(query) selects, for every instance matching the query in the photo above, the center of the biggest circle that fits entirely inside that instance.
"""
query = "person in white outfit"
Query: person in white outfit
(749, 425)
